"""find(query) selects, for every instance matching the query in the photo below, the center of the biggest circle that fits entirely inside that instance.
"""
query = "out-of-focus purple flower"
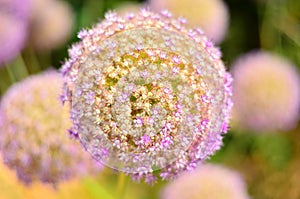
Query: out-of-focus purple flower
(266, 92)
(51, 23)
(212, 16)
(33, 128)
(13, 27)
(207, 181)
(17, 8)
(13, 33)
(149, 92)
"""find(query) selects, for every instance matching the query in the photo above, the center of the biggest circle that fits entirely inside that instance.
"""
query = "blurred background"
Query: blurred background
(260, 43)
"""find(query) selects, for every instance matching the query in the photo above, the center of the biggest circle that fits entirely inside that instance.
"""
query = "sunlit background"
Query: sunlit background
(260, 43)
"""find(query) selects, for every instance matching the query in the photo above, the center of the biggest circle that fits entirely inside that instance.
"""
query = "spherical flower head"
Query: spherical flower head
(266, 92)
(212, 16)
(207, 181)
(34, 139)
(51, 24)
(147, 94)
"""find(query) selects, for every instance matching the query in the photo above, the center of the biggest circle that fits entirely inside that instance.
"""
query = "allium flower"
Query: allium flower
(13, 27)
(34, 138)
(147, 94)
(266, 92)
(207, 181)
(211, 15)
(51, 23)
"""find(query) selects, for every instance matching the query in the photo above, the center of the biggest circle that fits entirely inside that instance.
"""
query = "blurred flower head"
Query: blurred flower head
(211, 15)
(17, 8)
(266, 92)
(13, 27)
(33, 127)
(13, 33)
(147, 94)
(207, 181)
(51, 23)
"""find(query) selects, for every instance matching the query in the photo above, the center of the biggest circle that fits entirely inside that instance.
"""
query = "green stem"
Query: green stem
(7, 77)
(11, 74)
(21, 68)
(121, 187)
(265, 34)
(32, 59)
(17, 69)
(45, 60)
(270, 15)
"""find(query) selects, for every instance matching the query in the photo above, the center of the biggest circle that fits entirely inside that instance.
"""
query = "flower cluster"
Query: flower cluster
(266, 92)
(34, 139)
(207, 181)
(147, 94)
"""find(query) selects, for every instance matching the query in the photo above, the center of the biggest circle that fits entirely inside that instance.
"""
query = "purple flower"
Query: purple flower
(13, 27)
(17, 8)
(266, 92)
(34, 139)
(207, 181)
(169, 119)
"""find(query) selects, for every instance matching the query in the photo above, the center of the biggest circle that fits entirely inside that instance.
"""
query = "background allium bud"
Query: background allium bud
(266, 92)
(33, 128)
(13, 27)
(147, 94)
(212, 16)
(51, 23)
(207, 181)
